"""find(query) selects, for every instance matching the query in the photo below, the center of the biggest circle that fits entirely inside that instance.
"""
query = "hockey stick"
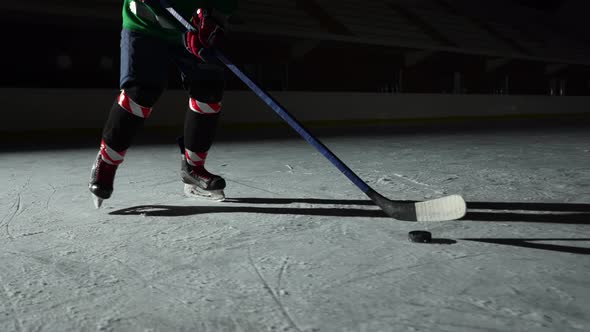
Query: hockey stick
(440, 209)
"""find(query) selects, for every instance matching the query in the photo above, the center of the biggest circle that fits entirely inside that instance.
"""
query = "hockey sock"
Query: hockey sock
(200, 126)
(125, 119)
(110, 156)
(195, 159)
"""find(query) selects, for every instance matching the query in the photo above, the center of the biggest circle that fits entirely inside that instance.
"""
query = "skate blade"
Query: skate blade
(97, 201)
(196, 192)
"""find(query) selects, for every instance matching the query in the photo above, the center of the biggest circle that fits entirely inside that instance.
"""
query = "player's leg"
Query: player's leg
(142, 81)
(205, 85)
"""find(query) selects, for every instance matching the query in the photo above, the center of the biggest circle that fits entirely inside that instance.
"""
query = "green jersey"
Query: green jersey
(138, 16)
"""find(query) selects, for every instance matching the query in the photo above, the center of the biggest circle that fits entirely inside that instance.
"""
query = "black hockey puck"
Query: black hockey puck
(420, 236)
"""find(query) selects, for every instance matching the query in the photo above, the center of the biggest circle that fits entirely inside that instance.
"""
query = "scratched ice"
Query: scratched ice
(297, 247)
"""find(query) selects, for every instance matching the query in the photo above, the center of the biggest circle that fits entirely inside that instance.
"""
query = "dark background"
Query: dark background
(73, 44)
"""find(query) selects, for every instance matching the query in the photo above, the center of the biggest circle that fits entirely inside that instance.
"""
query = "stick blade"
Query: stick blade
(441, 209)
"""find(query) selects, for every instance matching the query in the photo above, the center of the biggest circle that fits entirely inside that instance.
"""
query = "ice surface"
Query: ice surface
(296, 246)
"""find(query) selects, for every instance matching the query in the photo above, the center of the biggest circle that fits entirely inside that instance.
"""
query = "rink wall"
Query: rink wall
(30, 110)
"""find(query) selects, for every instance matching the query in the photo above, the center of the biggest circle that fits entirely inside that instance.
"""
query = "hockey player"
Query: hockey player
(149, 42)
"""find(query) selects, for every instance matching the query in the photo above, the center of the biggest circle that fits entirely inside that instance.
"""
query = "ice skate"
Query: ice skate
(102, 176)
(199, 183)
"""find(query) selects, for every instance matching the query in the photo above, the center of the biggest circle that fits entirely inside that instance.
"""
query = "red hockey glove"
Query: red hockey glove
(210, 33)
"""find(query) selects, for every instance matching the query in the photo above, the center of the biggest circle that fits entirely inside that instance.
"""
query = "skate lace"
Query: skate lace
(202, 173)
